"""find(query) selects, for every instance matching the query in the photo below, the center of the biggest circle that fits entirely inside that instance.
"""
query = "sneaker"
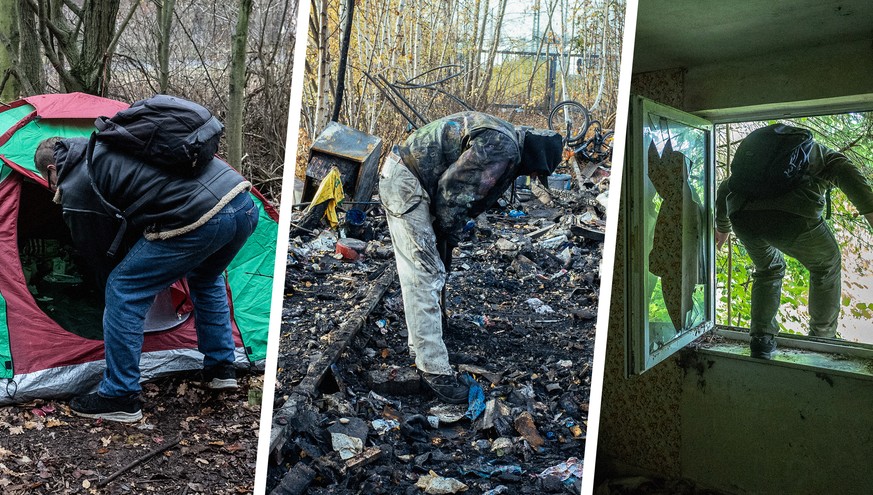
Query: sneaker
(447, 388)
(762, 346)
(220, 377)
(123, 409)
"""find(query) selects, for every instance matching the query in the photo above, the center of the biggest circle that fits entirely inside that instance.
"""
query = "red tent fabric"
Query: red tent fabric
(74, 106)
(44, 359)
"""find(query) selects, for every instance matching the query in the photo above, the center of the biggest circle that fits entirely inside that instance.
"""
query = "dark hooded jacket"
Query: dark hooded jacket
(827, 168)
(131, 198)
(465, 162)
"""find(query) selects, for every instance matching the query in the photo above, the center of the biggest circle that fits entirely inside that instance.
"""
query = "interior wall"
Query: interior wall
(796, 75)
(640, 418)
(732, 424)
(752, 427)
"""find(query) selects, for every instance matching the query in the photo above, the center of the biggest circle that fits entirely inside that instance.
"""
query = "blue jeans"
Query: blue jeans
(150, 267)
(768, 234)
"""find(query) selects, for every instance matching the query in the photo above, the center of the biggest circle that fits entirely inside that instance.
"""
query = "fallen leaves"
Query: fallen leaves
(44, 449)
(234, 447)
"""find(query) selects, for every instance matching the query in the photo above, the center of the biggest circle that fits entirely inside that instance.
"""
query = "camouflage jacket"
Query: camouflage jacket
(465, 162)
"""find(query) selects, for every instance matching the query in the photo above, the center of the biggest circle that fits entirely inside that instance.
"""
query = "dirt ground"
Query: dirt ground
(202, 441)
(523, 300)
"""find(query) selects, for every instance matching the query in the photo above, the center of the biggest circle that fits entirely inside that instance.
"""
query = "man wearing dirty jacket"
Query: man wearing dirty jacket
(445, 174)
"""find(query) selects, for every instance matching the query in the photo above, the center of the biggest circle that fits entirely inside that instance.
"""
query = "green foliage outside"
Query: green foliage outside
(852, 134)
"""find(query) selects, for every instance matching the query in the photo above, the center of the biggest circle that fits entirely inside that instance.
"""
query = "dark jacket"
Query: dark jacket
(164, 206)
(465, 162)
(827, 168)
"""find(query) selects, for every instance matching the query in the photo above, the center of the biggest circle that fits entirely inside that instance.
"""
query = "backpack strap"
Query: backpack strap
(122, 216)
(105, 123)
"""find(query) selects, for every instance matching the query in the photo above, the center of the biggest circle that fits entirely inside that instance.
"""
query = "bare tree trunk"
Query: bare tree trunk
(344, 55)
(603, 55)
(542, 41)
(416, 45)
(472, 53)
(397, 42)
(322, 107)
(370, 58)
(81, 53)
(236, 97)
(29, 58)
(489, 69)
(9, 43)
(98, 24)
(165, 25)
(480, 47)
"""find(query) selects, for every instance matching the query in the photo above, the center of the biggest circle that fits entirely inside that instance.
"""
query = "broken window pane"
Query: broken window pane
(670, 243)
(676, 181)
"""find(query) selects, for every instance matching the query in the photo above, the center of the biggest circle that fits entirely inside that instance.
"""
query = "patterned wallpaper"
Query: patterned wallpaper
(640, 421)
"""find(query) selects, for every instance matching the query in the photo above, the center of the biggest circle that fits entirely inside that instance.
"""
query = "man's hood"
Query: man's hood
(69, 153)
(541, 152)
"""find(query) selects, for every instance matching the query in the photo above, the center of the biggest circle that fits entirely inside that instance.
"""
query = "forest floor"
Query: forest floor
(199, 441)
(522, 295)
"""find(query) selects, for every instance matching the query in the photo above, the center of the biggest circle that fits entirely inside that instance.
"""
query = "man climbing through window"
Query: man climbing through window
(187, 224)
(774, 200)
(445, 174)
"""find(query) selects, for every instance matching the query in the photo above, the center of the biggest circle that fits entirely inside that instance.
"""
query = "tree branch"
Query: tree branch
(53, 58)
(199, 56)
(111, 48)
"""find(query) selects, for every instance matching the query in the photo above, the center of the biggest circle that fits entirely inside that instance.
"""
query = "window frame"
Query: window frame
(638, 342)
(636, 335)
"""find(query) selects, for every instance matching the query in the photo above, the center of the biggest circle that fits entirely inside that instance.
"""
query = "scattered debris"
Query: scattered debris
(526, 427)
(568, 471)
(347, 446)
(296, 481)
(521, 300)
(191, 440)
(437, 485)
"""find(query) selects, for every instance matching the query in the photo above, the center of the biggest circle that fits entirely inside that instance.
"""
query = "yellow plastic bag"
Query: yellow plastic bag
(330, 190)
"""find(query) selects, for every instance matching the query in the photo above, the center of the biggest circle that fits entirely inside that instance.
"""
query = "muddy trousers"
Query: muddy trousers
(419, 267)
(768, 234)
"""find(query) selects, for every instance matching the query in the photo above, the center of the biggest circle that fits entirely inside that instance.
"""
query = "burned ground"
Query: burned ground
(197, 441)
(523, 299)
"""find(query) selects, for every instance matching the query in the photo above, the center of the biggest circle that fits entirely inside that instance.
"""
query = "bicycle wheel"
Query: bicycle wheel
(594, 127)
(571, 119)
(605, 147)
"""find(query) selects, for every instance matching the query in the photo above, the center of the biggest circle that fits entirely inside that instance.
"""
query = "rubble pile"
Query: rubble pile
(522, 299)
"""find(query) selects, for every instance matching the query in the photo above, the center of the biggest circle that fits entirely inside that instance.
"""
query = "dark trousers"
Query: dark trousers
(766, 235)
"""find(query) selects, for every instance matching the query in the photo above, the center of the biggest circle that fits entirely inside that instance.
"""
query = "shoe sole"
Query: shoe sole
(119, 416)
(222, 384)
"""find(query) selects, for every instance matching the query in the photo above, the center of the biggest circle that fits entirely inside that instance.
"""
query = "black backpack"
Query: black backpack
(770, 161)
(172, 133)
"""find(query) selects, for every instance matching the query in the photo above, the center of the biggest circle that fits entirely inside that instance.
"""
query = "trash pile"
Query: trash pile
(522, 299)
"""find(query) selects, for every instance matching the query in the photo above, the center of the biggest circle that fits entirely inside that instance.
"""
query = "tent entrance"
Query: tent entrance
(58, 279)
(54, 272)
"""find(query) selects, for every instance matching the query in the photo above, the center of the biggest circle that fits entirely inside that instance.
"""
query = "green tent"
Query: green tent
(50, 335)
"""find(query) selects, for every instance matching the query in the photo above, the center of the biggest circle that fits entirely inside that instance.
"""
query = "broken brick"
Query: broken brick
(350, 248)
